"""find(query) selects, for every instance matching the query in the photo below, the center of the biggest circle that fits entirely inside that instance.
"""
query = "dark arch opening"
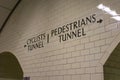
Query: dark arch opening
(10, 67)
(112, 65)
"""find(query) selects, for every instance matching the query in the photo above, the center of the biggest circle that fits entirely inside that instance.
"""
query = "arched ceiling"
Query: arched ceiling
(6, 6)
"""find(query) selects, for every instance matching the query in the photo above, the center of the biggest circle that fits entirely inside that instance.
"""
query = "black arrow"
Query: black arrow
(100, 21)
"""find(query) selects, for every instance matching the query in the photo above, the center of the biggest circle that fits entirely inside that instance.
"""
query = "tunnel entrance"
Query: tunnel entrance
(10, 68)
(112, 65)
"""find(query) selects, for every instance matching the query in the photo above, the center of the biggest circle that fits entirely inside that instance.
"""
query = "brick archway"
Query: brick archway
(112, 65)
(110, 49)
(10, 67)
(108, 65)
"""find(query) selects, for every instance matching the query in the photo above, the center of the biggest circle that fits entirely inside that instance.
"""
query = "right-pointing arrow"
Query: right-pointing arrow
(100, 21)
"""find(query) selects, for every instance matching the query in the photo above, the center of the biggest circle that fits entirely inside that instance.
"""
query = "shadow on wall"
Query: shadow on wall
(10, 68)
(112, 65)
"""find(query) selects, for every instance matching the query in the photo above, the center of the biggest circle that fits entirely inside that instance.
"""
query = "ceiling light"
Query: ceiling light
(109, 11)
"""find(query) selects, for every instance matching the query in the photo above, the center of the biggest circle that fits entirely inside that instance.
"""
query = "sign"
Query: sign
(65, 32)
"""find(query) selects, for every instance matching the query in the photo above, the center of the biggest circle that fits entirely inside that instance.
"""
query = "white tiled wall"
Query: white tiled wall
(76, 59)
